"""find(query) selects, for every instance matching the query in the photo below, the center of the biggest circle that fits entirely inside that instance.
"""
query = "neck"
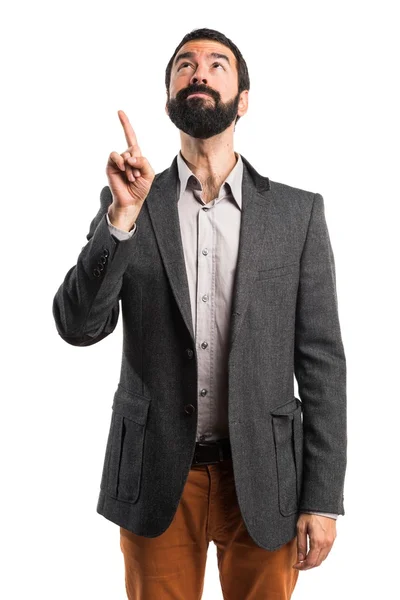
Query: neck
(210, 160)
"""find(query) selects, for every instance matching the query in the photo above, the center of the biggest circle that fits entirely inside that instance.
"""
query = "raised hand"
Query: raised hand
(130, 177)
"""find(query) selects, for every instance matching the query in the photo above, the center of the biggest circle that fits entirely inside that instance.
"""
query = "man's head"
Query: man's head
(206, 61)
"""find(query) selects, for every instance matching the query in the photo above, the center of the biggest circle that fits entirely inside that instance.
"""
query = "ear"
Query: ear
(166, 107)
(243, 103)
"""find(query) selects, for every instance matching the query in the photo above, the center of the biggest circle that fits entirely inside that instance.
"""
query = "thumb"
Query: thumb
(301, 545)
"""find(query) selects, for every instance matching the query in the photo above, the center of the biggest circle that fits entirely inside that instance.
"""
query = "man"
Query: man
(227, 287)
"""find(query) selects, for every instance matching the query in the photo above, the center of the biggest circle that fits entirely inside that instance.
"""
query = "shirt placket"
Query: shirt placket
(205, 309)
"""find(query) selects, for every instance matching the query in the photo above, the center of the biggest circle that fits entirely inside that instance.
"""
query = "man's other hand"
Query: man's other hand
(322, 534)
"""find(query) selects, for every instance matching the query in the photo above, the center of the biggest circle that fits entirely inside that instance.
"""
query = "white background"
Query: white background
(323, 116)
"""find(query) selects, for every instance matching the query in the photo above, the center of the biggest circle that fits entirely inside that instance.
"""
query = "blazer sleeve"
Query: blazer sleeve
(86, 305)
(320, 370)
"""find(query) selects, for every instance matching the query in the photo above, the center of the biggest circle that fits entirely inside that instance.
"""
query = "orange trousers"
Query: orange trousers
(172, 565)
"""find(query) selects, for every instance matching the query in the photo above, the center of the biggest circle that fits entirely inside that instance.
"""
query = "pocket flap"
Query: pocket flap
(131, 405)
(286, 409)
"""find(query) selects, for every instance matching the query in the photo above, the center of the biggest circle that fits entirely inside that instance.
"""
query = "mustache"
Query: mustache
(197, 89)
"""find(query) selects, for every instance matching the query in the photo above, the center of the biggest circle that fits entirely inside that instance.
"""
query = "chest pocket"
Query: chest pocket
(278, 271)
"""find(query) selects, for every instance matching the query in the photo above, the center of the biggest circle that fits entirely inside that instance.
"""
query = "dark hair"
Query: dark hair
(212, 34)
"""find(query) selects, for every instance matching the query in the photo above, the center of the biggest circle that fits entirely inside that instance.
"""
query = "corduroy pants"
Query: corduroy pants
(172, 565)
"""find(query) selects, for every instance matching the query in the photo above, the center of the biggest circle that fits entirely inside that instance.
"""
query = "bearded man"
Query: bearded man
(226, 281)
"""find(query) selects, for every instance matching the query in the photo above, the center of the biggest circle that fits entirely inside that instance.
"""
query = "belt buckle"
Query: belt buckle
(210, 462)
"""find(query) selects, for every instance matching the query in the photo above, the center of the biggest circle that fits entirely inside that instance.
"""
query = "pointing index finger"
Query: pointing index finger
(128, 129)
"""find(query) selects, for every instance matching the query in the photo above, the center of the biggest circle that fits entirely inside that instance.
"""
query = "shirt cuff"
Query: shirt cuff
(323, 514)
(120, 234)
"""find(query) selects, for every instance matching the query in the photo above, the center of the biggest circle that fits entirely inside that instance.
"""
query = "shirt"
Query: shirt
(210, 238)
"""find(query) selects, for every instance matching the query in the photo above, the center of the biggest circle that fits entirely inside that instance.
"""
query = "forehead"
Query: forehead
(203, 47)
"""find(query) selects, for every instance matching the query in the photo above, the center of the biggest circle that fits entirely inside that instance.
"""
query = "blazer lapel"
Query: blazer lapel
(256, 210)
(163, 209)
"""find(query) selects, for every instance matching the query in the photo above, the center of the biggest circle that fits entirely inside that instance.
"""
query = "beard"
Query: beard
(199, 116)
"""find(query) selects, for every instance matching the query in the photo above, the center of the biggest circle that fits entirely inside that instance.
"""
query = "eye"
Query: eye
(183, 65)
(217, 63)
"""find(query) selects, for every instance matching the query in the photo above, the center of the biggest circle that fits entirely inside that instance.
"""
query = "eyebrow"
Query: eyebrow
(192, 55)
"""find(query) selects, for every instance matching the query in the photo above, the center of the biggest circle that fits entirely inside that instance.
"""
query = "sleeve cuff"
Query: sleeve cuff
(120, 234)
(323, 514)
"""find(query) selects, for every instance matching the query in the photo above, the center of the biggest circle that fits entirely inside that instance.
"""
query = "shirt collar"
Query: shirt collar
(234, 178)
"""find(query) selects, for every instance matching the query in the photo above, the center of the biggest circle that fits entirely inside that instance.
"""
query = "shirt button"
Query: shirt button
(205, 298)
(204, 345)
(203, 393)
(205, 209)
(205, 251)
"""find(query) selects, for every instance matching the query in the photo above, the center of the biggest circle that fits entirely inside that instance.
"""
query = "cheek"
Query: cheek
(227, 89)
(178, 84)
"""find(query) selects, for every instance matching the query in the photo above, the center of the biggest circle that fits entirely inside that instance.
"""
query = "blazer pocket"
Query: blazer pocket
(278, 271)
(122, 468)
(288, 442)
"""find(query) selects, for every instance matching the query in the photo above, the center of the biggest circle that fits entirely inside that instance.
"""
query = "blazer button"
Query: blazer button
(189, 409)
(96, 272)
(102, 259)
(189, 352)
(106, 253)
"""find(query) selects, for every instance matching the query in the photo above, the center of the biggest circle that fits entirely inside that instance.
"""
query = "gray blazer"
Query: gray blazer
(289, 454)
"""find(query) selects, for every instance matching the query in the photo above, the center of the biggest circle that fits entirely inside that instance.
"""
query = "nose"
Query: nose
(199, 76)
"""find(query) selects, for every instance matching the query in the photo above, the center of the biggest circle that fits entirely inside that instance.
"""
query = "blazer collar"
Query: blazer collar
(170, 176)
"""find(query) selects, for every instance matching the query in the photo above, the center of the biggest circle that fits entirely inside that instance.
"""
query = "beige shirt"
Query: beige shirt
(210, 239)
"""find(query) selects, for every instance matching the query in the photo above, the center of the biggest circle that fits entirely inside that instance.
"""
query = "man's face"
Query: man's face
(203, 93)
